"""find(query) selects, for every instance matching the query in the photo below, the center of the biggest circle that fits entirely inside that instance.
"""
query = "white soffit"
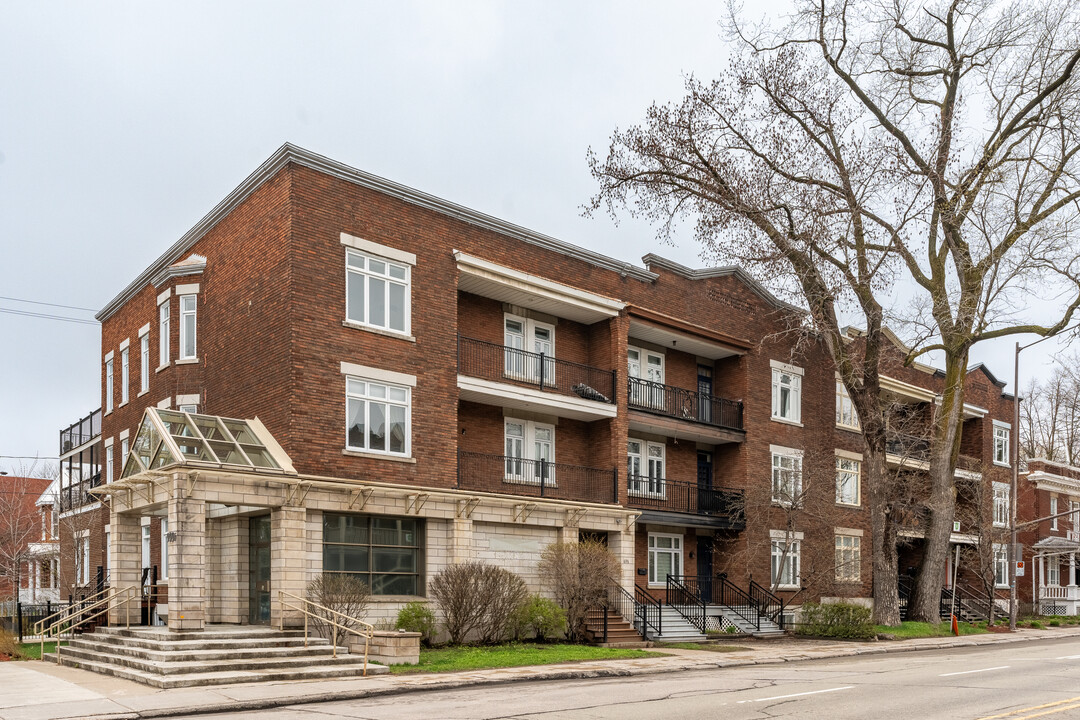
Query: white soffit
(906, 390)
(488, 279)
(506, 395)
(677, 340)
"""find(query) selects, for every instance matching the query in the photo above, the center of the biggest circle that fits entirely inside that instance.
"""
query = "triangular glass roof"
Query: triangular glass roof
(171, 437)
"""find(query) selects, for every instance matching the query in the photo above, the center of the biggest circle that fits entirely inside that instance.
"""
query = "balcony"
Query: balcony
(693, 415)
(536, 478)
(720, 508)
(80, 432)
(496, 374)
(77, 494)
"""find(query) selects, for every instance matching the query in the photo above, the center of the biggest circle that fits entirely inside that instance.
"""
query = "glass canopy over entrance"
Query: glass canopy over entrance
(170, 437)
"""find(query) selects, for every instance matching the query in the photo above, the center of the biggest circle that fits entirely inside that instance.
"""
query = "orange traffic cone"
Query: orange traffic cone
(955, 627)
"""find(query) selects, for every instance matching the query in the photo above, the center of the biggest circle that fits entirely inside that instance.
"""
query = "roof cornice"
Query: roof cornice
(652, 260)
(289, 153)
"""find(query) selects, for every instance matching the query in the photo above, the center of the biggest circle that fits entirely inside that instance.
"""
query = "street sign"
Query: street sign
(956, 526)
(1019, 568)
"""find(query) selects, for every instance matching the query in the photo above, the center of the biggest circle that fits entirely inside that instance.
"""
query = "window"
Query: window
(786, 392)
(108, 386)
(848, 558)
(125, 376)
(378, 417)
(645, 468)
(1001, 443)
(786, 557)
(163, 334)
(525, 342)
(188, 408)
(665, 557)
(144, 363)
(1053, 571)
(786, 475)
(847, 480)
(384, 552)
(109, 464)
(108, 550)
(530, 451)
(646, 371)
(1001, 566)
(846, 416)
(123, 451)
(187, 326)
(146, 546)
(82, 559)
(1001, 504)
(164, 549)
(377, 292)
(1053, 511)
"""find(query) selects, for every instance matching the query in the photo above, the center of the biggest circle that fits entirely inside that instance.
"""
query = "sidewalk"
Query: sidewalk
(43, 691)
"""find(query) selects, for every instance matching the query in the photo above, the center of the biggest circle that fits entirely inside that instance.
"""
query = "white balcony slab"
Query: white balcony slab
(523, 398)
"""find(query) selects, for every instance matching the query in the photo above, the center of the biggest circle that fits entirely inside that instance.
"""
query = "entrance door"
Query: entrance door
(705, 568)
(704, 388)
(259, 570)
(706, 500)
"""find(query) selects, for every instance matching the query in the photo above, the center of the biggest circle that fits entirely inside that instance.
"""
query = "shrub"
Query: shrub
(478, 600)
(346, 595)
(8, 644)
(839, 620)
(540, 617)
(417, 617)
(580, 574)
(1055, 623)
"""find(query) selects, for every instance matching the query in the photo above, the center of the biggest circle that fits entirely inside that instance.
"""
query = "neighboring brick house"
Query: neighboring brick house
(1055, 542)
(23, 529)
(417, 383)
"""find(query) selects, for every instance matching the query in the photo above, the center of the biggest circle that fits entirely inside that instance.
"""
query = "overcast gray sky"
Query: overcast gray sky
(122, 124)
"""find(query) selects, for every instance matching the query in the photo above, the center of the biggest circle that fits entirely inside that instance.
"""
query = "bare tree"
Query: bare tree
(1050, 415)
(863, 144)
(20, 520)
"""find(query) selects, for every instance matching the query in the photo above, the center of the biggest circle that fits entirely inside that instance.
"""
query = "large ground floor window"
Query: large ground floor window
(665, 557)
(385, 552)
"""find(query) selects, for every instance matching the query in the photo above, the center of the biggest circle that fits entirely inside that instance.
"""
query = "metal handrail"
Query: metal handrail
(367, 632)
(77, 615)
(690, 405)
(686, 602)
(649, 610)
(735, 599)
(768, 604)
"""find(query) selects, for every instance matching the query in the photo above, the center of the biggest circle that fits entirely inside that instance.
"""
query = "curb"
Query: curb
(892, 646)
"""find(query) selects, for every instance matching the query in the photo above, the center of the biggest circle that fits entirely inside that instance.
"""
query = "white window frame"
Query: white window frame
(1053, 571)
(848, 465)
(163, 332)
(522, 365)
(1001, 504)
(524, 469)
(1001, 566)
(189, 313)
(145, 558)
(848, 557)
(786, 460)
(370, 390)
(109, 467)
(124, 447)
(144, 366)
(846, 416)
(649, 459)
(108, 384)
(792, 562)
(125, 375)
(82, 552)
(108, 551)
(1002, 438)
(164, 549)
(794, 376)
(675, 552)
(364, 274)
(641, 368)
(1053, 511)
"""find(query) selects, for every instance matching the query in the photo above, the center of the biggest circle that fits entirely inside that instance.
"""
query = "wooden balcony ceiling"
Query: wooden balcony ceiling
(682, 336)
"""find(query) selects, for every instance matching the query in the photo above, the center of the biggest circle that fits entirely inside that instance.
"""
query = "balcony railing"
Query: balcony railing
(77, 494)
(80, 432)
(500, 363)
(913, 447)
(682, 497)
(688, 405)
(535, 478)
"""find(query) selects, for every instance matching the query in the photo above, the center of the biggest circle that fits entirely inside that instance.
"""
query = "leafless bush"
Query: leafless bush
(341, 593)
(579, 574)
(478, 601)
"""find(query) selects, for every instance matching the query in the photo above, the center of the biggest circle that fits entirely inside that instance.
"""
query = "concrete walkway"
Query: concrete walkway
(43, 691)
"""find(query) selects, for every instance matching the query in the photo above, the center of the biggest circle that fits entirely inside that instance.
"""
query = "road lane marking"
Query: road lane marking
(968, 672)
(784, 697)
(1015, 713)
(1068, 657)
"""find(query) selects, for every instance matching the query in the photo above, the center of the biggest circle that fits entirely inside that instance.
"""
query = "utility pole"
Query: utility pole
(1012, 491)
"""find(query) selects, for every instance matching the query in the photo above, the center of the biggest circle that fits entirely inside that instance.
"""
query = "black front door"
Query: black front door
(706, 501)
(704, 388)
(259, 570)
(705, 567)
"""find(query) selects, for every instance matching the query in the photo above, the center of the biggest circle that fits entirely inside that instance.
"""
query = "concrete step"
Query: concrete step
(165, 645)
(239, 632)
(188, 667)
(192, 654)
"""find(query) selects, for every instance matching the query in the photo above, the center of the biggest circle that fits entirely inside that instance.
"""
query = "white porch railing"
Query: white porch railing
(1056, 592)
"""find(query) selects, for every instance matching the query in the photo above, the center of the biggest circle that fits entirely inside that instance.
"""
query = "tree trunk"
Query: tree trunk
(883, 541)
(944, 450)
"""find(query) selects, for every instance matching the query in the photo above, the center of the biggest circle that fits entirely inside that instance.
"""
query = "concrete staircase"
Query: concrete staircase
(620, 633)
(218, 655)
(769, 629)
(675, 628)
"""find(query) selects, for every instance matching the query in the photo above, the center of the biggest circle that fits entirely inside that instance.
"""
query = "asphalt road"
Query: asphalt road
(1013, 682)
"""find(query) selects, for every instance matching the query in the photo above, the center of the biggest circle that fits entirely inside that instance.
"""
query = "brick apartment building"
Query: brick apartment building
(29, 540)
(415, 383)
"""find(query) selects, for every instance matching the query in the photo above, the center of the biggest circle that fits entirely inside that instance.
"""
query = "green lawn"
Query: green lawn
(909, 630)
(700, 646)
(32, 651)
(450, 659)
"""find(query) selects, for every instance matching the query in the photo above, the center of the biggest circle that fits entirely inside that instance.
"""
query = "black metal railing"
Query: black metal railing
(684, 596)
(964, 602)
(769, 606)
(648, 611)
(683, 404)
(914, 447)
(77, 494)
(81, 431)
(904, 587)
(536, 478)
(683, 497)
(737, 600)
(490, 361)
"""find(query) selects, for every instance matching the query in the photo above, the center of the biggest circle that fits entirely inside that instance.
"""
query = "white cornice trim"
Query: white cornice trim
(175, 271)
(365, 372)
(289, 153)
(1057, 483)
(903, 388)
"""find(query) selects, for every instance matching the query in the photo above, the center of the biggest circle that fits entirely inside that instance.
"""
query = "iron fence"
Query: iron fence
(536, 478)
(683, 404)
(661, 494)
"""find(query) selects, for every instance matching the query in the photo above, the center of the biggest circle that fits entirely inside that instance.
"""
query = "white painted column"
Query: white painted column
(1072, 570)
